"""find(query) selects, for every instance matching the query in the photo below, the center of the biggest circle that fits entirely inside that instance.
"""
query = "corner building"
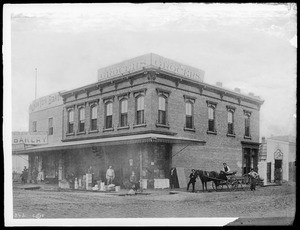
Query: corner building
(149, 114)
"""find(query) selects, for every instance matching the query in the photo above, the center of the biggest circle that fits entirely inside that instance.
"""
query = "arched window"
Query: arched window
(108, 115)
(140, 110)
(71, 121)
(162, 110)
(189, 115)
(247, 124)
(211, 118)
(94, 115)
(81, 121)
(230, 121)
(123, 112)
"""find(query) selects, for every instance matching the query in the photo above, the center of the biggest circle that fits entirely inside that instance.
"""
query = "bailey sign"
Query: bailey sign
(150, 60)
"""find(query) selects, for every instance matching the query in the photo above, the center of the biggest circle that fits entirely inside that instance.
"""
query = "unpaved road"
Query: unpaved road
(275, 201)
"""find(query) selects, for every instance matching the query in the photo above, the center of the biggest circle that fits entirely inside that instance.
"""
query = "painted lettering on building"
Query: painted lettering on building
(150, 60)
(46, 102)
(27, 138)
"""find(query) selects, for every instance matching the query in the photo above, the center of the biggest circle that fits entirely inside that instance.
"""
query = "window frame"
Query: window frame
(211, 106)
(93, 121)
(230, 110)
(70, 124)
(247, 124)
(81, 122)
(50, 126)
(189, 100)
(34, 126)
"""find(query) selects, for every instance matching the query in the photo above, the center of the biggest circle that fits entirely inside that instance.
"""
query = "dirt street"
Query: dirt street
(272, 201)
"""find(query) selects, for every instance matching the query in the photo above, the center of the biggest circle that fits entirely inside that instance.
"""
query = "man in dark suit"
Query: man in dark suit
(192, 180)
(173, 178)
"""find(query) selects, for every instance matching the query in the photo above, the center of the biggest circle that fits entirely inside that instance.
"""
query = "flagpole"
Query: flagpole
(35, 82)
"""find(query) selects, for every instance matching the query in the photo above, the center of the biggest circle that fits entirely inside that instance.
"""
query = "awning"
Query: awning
(122, 140)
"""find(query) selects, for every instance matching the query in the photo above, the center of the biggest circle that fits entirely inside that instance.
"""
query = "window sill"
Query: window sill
(123, 127)
(140, 125)
(93, 131)
(80, 133)
(162, 126)
(70, 134)
(211, 132)
(189, 129)
(247, 137)
(108, 129)
(230, 135)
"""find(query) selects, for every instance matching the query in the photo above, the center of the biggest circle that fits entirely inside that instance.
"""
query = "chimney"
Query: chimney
(238, 90)
(219, 84)
(251, 94)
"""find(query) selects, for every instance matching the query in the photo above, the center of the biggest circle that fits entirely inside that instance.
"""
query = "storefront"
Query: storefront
(148, 155)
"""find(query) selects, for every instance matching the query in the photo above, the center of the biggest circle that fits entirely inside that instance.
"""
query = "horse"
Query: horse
(206, 176)
(216, 178)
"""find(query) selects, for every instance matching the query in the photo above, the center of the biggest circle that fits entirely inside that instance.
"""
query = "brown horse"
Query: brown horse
(216, 178)
(206, 176)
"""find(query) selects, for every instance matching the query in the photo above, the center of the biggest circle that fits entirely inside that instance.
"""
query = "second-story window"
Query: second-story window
(140, 110)
(230, 114)
(211, 116)
(94, 115)
(108, 115)
(189, 115)
(247, 123)
(50, 126)
(71, 121)
(81, 119)
(162, 110)
(123, 112)
(34, 126)
(211, 119)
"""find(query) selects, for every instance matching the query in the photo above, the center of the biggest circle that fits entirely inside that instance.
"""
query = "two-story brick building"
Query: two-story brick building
(149, 114)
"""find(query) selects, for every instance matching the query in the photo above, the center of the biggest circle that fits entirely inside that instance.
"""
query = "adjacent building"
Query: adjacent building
(278, 159)
(146, 114)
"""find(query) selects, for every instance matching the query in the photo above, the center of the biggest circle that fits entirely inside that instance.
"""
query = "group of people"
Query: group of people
(225, 169)
(110, 174)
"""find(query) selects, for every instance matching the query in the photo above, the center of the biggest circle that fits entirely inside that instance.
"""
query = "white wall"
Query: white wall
(18, 162)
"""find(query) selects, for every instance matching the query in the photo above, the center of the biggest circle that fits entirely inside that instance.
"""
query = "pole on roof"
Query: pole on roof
(35, 82)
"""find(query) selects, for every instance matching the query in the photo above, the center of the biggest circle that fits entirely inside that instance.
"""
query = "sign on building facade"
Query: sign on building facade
(46, 102)
(27, 138)
(150, 60)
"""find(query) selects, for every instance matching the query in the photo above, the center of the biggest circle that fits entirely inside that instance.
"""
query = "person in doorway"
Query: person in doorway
(253, 179)
(225, 168)
(192, 181)
(133, 180)
(24, 175)
(110, 175)
(91, 171)
(173, 178)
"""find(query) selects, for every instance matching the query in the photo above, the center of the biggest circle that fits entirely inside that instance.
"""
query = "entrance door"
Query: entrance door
(278, 171)
(269, 172)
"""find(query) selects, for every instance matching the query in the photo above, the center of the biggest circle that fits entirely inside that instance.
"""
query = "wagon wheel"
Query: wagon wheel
(234, 185)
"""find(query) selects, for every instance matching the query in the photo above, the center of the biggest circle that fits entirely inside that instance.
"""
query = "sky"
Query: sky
(249, 46)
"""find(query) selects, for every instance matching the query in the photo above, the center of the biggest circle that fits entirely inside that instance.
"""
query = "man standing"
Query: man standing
(173, 178)
(192, 180)
(253, 178)
(110, 175)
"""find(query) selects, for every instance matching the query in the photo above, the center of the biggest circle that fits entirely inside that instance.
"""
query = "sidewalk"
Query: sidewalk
(54, 187)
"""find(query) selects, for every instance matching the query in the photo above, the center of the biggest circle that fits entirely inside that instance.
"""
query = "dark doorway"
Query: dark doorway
(278, 171)
(269, 172)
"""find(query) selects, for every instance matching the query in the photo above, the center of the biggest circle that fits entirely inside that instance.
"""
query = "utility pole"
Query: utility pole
(35, 82)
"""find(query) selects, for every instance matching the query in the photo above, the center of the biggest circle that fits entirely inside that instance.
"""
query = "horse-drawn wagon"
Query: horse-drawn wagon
(230, 180)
